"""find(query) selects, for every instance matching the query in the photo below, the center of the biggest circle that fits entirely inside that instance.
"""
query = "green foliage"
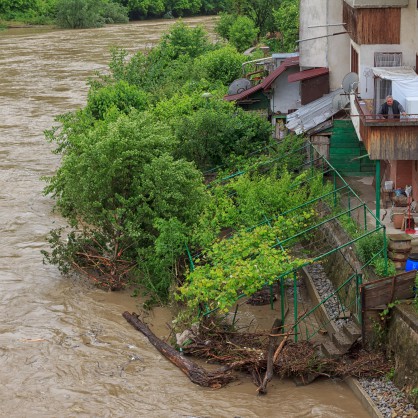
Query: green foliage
(79, 14)
(369, 246)
(120, 95)
(142, 8)
(130, 70)
(250, 199)
(114, 13)
(243, 33)
(223, 65)
(224, 24)
(209, 135)
(29, 11)
(384, 268)
(286, 19)
(259, 11)
(350, 226)
(184, 7)
(181, 40)
(119, 178)
(237, 266)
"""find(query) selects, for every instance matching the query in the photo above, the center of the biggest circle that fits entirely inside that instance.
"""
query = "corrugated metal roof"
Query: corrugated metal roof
(314, 113)
(305, 75)
(267, 82)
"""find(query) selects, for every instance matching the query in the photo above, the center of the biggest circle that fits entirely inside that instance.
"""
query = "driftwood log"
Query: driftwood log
(194, 372)
(273, 338)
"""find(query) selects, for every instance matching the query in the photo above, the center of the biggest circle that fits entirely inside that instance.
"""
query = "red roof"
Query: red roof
(304, 75)
(267, 82)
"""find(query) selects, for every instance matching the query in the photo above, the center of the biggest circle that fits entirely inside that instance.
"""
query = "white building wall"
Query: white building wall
(286, 95)
(330, 51)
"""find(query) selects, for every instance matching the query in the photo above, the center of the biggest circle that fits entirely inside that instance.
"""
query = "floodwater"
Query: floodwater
(65, 349)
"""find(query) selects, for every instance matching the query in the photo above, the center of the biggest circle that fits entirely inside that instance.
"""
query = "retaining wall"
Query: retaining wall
(403, 348)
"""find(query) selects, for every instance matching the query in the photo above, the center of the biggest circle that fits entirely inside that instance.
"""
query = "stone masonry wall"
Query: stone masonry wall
(403, 348)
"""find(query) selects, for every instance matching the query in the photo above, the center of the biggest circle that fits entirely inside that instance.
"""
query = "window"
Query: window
(388, 59)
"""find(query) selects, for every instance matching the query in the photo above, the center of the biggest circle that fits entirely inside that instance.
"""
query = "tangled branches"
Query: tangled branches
(248, 352)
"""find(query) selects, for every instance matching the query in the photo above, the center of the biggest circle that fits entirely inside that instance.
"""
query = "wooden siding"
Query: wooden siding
(395, 142)
(373, 26)
(314, 88)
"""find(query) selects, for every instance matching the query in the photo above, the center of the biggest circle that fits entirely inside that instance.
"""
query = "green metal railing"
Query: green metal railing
(334, 206)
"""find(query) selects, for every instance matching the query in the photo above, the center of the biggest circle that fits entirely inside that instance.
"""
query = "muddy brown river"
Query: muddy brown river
(65, 349)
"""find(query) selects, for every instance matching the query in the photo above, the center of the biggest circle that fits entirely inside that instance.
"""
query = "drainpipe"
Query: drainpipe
(377, 193)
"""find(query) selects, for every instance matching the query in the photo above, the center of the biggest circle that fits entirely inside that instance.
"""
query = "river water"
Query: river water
(65, 349)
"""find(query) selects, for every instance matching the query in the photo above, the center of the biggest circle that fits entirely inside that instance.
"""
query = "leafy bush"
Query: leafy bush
(240, 265)
(79, 14)
(121, 191)
(369, 246)
(181, 40)
(114, 13)
(209, 135)
(223, 65)
(243, 33)
(380, 264)
(120, 95)
(224, 24)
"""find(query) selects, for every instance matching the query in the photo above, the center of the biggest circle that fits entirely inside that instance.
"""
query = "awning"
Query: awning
(404, 81)
(395, 73)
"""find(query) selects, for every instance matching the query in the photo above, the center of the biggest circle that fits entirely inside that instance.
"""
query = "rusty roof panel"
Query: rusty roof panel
(305, 75)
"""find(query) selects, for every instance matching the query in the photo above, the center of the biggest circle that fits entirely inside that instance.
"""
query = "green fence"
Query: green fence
(342, 221)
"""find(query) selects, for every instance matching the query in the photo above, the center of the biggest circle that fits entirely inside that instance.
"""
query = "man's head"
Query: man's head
(389, 100)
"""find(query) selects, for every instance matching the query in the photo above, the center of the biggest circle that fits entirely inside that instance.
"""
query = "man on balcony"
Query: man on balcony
(391, 109)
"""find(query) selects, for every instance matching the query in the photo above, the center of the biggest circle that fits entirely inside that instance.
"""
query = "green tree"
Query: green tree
(243, 33)
(119, 187)
(181, 40)
(224, 24)
(237, 266)
(209, 135)
(77, 14)
(144, 8)
(223, 65)
(259, 11)
(121, 95)
(184, 7)
(286, 19)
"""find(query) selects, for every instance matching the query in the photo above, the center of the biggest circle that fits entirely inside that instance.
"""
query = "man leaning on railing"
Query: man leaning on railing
(391, 109)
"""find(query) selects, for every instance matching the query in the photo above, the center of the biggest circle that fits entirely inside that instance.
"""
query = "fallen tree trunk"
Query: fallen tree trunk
(194, 372)
(262, 389)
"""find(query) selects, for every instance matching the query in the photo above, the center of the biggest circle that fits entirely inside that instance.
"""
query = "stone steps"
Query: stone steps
(340, 341)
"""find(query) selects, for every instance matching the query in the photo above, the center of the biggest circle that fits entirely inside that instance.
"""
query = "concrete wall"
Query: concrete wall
(402, 346)
(328, 51)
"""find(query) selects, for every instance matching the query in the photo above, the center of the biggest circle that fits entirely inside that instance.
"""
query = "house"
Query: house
(383, 51)
(377, 40)
(283, 90)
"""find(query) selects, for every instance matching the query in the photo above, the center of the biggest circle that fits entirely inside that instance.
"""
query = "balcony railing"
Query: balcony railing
(384, 138)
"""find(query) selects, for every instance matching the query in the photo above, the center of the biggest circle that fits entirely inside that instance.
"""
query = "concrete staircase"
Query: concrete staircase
(341, 341)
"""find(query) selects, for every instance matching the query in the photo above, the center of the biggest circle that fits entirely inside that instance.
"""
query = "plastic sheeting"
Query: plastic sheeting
(404, 81)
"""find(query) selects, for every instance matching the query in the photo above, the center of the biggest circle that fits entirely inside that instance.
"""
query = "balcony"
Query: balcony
(385, 139)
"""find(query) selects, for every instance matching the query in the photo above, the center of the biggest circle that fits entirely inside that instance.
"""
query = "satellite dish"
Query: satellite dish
(238, 86)
(339, 102)
(350, 82)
